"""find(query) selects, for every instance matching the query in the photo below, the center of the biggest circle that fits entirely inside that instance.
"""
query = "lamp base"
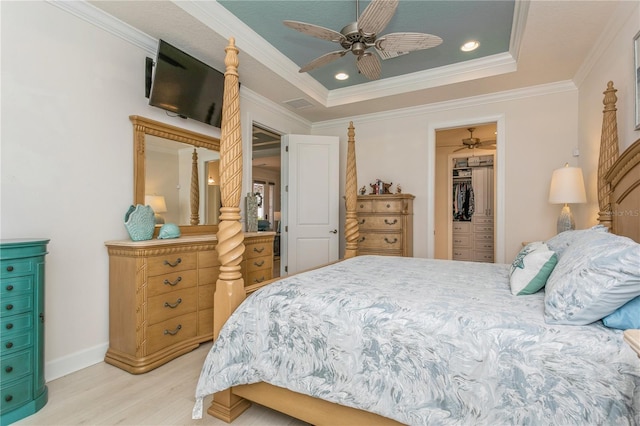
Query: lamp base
(565, 220)
(159, 219)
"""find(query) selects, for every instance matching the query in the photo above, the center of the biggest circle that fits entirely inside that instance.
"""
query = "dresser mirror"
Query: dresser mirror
(176, 173)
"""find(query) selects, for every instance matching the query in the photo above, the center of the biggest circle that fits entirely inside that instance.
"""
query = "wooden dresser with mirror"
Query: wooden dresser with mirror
(161, 291)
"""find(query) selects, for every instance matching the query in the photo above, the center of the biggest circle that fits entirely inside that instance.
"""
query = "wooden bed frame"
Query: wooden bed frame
(619, 202)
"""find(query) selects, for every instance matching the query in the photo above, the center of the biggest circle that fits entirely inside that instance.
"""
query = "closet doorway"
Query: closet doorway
(465, 204)
(265, 175)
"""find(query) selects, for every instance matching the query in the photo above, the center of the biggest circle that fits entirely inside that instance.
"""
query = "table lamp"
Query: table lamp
(567, 187)
(157, 203)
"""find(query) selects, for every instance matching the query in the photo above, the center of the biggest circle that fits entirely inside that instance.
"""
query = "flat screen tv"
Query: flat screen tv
(186, 86)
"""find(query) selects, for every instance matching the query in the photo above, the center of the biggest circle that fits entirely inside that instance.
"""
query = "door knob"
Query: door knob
(335, 231)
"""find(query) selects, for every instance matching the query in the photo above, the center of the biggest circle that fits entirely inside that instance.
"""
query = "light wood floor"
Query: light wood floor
(105, 395)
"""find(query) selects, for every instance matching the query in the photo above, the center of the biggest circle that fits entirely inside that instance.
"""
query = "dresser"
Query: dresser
(22, 384)
(385, 224)
(161, 295)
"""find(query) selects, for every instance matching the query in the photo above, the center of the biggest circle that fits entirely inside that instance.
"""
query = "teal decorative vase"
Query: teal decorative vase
(140, 222)
(169, 230)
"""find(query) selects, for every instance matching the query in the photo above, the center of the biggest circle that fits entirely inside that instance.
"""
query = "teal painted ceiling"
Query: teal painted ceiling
(456, 22)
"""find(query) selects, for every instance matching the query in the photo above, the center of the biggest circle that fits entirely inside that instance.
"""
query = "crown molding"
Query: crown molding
(519, 24)
(472, 101)
(109, 23)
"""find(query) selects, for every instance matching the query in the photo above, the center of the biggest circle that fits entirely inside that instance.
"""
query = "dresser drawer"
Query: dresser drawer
(169, 305)
(482, 219)
(166, 264)
(16, 324)
(483, 256)
(205, 296)
(257, 263)
(461, 240)
(208, 275)
(15, 366)
(16, 285)
(383, 241)
(208, 259)
(16, 305)
(385, 206)
(256, 277)
(461, 254)
(17, 267)
(172, 331)
(161, 284)
(484, 245)
(15, 394)
(386, 223)
(364, 206)
(15, 342)
(258, 249)
(488, 228)
(483, 237)
(462, 227)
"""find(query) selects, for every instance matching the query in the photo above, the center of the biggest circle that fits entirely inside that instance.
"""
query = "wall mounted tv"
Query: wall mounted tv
(186, 86)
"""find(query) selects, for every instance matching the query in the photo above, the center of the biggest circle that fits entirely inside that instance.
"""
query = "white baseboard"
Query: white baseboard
(57, 368)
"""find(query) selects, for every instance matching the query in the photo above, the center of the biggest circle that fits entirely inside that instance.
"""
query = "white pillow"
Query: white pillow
(594, 277)
(531, 268)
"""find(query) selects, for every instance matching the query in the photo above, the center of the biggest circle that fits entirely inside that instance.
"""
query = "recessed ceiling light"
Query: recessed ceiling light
(342, 76)
(469, 46)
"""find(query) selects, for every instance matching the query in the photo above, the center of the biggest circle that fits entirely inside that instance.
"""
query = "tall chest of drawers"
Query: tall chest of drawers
(161, 297)
(385, 224)
(22, 384)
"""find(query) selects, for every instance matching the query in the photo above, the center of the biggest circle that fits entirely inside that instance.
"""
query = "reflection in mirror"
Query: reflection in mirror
(174, 169)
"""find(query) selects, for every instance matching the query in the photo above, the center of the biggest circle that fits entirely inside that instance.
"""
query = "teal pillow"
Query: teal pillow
(531, 268)
(625, 317)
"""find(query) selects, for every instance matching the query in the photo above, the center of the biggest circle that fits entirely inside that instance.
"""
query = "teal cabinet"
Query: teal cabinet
(22, 385)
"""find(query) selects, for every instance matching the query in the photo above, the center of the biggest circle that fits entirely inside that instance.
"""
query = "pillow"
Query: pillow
(625, 317)
(531, 268)
(595, 276)
(560, 242)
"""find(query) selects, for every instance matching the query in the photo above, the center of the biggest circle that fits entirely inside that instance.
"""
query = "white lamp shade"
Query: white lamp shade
(567, 186)
(156, 202)
(277, 216)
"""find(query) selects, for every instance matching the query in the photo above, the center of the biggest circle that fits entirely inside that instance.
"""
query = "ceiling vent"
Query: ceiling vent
(298, 103)
(385, 54)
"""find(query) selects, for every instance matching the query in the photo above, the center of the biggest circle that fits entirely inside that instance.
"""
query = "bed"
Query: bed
(423, 341)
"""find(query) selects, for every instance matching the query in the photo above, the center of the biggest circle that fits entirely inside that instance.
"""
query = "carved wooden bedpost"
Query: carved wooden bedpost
(230, 285)
(351, 229)
(195, 190)
(608, 154)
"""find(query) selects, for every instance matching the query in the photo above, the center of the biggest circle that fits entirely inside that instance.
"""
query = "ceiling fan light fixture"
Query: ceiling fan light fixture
(341, 76)
(469, 46)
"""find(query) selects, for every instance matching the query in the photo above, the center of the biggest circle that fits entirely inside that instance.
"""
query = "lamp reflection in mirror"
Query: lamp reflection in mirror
(157, 203)
(567, 187)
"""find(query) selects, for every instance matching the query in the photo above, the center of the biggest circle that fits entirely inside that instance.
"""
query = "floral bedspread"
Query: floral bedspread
(425, 341)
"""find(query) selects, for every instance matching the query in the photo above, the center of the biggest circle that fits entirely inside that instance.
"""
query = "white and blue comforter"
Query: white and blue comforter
(425, 342)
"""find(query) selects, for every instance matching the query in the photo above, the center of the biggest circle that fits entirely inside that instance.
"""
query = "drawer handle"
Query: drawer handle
(391, 223)
(8, 369)
(8, 398)
(41, 317)
(361, 239)
(174, 332)
(9, 287)
(388, 206)
(361, 222)
(167, 282)
(361, 206)
(9, 326)
(258, 280)
(9, 268)
(258, 250)
(9, 345)
(259, 263)
(173, 265)
(9, 307)
(173, 305)
(395, 240)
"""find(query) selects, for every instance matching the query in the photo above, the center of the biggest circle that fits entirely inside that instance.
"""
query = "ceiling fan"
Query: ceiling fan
(471, 142)
(363, 34)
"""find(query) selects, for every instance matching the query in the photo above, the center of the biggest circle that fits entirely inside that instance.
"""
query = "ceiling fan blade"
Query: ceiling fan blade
(376, 16)
(369, 66)
(323, 60)
(407, 42)
(315, 31)
(461, 148)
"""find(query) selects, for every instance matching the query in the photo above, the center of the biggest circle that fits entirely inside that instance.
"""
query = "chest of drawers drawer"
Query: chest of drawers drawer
(16, 305)
(385, 240)
(161, 284)
(16, 365)
(13, 286)
(383, 223)
(169, 305)
(17, 267)
(15, 342)
(15, 394)
(461, 227)
(170, 263)
(258, 250)
(171, 332)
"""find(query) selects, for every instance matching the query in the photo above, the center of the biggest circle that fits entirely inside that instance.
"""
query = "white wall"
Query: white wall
(612, 60)
(540, 131)
(68, 88)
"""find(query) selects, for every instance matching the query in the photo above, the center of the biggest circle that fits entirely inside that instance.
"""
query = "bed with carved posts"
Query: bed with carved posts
(619, 203)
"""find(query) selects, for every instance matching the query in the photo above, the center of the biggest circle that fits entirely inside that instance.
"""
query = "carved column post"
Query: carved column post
(230, 285)
(351, 229)
(608, 154)
(139, 171)
(195, 190)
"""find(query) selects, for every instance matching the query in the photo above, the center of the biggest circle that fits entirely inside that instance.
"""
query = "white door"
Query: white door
(311, 193)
